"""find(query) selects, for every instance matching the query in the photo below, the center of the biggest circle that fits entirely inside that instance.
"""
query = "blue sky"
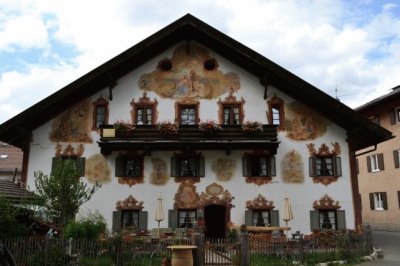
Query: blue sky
(349, 49)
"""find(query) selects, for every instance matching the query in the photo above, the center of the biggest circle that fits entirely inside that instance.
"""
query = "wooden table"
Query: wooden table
(182, 255)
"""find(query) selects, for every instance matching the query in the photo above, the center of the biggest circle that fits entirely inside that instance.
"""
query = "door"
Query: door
(215, 221)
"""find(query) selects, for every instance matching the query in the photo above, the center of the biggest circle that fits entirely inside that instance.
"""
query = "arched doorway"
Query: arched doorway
(215, 221)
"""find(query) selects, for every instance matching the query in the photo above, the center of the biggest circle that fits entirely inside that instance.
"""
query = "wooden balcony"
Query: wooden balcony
(231, 137)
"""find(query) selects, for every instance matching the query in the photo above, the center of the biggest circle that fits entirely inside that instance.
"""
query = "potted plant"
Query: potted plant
(167, 128)
(123, 128)
(209, 126)
(252, 127)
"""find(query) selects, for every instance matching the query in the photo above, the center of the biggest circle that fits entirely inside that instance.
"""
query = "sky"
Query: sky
(350, 49)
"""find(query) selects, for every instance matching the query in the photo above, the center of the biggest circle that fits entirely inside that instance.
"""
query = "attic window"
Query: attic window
(165, 64)
(3, 156)
(210, 64)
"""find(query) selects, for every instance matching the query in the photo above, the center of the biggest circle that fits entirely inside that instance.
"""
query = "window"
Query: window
(130, 219)
(187, 115)
(258, 166)
(375, 163)
(3, 156)
(79, 163)
(100, 113)
(398, 197)
(276, 118)
(322, 166)
(375, 119)
(187, 166)
(396, 156)
(276, 115)
(187, 218)
(144, 115)
(378, 201)
(394, 116)
(327, 219)
(232, 115)
(144, 110)
(129, 166)
(262, 217)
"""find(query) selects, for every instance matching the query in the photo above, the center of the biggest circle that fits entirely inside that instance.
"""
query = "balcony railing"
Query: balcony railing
(150, 138)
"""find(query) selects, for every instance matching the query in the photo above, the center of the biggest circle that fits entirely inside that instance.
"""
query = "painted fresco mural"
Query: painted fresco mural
(159, 174)
(224, 168)
(190, 72)
(292, 167)
(302, 123)
(74, 125)
(97, 171)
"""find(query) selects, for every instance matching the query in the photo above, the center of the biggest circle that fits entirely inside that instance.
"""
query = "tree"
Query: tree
(63, 192)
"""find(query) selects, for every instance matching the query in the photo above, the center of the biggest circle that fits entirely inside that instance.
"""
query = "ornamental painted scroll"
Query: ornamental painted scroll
(260, 203)
(69, 150)
(216, 195)
(186, 197)
(326, 202)
(130, 203)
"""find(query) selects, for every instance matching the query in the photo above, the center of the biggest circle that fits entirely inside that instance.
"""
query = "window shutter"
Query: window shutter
(396, 158)
(274, 218)
(314, 220)
(392, 115)
(384, 199)
(272, 166)
(173, 218)
(174, 166)
(119, 167)
(246, 166)
(341, 220)
(248, 217)
(54, 162)
(117, 221)
(369, 164)
(371, 201)
(143, 216)
(337, 169)
(381, 164)
(357, 167)
(201, 166)
(200, 214)
(80, 166)
(398, 197)
(312, 166)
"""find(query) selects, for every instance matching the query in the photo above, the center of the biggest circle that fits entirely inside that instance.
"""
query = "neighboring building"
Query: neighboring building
(10, 162)
(379, 171)
(189, 73)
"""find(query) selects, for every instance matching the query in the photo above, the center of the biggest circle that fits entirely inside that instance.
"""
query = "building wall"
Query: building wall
(306, 127)
(386, 180)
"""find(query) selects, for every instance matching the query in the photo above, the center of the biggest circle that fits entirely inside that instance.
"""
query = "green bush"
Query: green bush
(88, 227)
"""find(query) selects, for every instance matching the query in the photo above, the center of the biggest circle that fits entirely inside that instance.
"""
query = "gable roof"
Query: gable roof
(16, 131)
(389, 101)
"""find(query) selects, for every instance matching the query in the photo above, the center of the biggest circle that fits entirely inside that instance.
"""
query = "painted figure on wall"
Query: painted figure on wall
(74, 125)
(159, 175)
(224, 169)
(302, 123)
(190, 72)
(97, 170)
(292, 167)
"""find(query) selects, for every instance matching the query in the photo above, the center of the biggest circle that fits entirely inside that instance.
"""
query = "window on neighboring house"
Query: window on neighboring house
(79, 163)
(276, 114)
(144, 115)
(375, 163)
(232, 114)
(3, 156)
(264, 217)
(398, 197)
(327, 219)
(187, 115)
(129, 166)
(396, 156)
(187, 166)
(259, 166)
(129, 219)
(394, 116)
(322, 166)
(100, 113)
(187, 218)
(378, 201)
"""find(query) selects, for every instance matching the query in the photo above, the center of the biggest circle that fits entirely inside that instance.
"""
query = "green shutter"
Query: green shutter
(272, 166)
(381, 164)
(54, 162)
(384, 199)
(274, 218)
(117, 221)
(337, 169)
(248, 217)
(174, 165)
(80, 166)
(392, 115)
(314, 220)
(396, 158)
(173, 218)
(246, 166)
(312, 164)
(341, 220)
(201, 169)
(371, 201)
(143, 216)
(119, 167)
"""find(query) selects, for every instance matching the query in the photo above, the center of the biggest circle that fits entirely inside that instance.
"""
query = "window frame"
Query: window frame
(176, 165)
(336, 166)
(324, 213)
(396, 158)
(252, 161)
(145, 120)
(378, 201)
(101, 102)
(394, 115)
(192, 217)
(375, 163)
(195, 114)
(131, 212)
(276, 103)
(256, 216)
(231, 107)
(145, 103)
(121, 166)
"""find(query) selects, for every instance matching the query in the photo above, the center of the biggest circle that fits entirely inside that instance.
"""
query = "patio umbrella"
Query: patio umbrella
(159, 212)
(287, 210)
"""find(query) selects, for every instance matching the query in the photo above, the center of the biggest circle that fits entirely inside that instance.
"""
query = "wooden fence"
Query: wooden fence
(247, 249)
